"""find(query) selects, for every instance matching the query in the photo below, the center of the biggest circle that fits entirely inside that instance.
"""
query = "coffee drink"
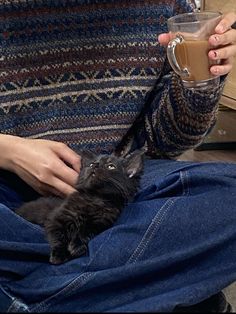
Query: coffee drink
(193, 56)
(188, 51)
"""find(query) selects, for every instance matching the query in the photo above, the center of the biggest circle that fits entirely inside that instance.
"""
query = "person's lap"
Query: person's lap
(173, 246)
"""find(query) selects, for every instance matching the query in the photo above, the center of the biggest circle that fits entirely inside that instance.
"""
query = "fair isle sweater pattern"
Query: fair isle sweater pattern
(91, 73)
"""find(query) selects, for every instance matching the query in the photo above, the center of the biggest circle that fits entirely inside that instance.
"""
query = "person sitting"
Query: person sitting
(91, 74)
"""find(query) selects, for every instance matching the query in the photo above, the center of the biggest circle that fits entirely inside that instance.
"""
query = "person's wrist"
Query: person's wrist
(9, 147)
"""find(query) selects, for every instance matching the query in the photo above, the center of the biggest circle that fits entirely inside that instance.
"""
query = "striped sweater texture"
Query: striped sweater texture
(91, 73)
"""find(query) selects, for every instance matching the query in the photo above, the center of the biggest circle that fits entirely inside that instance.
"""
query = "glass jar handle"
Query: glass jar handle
(184, 73)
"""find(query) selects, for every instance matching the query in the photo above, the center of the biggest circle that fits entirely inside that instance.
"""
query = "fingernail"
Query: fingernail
(220, 28)
(217, 39)
(215, 54)
(216, 70)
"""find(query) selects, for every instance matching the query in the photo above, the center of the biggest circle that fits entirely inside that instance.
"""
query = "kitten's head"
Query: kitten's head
(111, 175)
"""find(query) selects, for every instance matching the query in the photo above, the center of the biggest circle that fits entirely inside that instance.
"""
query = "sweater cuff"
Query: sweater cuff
(206, 100)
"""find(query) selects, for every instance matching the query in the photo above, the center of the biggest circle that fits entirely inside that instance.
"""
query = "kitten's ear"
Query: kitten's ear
(134, 163)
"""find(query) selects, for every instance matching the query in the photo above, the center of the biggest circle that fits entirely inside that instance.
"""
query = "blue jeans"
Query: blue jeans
(174, 245)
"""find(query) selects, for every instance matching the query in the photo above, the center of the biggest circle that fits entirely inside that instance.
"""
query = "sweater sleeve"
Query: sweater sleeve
(177, 118)
(174, 118)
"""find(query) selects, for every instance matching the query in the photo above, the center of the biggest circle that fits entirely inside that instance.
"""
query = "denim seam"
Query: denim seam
(16, 304)
(77, 282)
(152, 228)
(185, 182)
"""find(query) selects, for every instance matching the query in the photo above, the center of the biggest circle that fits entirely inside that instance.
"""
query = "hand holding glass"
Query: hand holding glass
(188, 51)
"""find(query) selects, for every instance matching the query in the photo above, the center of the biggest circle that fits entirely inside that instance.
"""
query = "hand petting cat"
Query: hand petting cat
(44, 165)
(223, 41)
(107, 183)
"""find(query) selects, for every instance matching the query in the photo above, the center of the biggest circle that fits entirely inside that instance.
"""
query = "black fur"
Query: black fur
(106, 183)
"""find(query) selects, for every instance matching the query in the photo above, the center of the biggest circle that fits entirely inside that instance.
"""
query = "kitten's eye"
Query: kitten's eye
(111, 167)
(91, 165)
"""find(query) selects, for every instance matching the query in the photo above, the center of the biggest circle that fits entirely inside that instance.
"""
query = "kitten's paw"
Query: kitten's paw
(77, 251)
(57, 257)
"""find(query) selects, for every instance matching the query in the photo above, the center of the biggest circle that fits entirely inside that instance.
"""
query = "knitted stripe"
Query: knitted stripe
(76, 70)
(81, 71)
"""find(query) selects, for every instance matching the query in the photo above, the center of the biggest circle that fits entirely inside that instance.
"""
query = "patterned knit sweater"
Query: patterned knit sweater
(91, 73)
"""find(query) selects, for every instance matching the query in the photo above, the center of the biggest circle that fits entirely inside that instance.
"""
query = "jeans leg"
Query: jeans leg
(175, 245)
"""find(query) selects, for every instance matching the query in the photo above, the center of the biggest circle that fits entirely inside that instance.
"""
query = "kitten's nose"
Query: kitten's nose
(95, 165)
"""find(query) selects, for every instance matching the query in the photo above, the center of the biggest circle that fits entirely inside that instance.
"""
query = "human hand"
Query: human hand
(164, 39)
(224, 42)
(44, 165)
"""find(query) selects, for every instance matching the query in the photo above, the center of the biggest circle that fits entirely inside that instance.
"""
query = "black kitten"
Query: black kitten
(106, 183)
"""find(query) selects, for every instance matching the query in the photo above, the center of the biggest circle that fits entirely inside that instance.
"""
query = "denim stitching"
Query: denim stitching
(152, 228)
(82, 279)
(18, 306)
(77, 282)
(74, 284)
